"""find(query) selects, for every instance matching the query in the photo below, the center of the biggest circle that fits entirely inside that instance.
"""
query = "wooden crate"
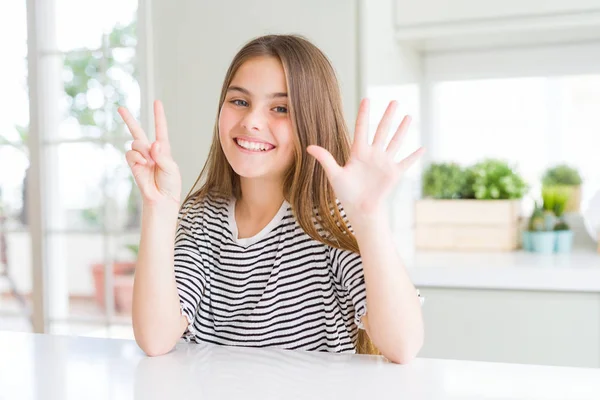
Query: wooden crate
(475, 225)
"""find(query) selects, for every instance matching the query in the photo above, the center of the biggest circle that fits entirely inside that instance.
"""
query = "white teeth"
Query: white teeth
(253, 145)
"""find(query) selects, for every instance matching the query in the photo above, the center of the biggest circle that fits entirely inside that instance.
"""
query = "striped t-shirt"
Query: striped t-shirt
(279, 288)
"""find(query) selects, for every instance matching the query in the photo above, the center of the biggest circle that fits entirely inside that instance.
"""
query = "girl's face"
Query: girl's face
(255, 128)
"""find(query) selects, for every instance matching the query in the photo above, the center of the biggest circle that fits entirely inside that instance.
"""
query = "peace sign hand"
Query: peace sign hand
(153, 168)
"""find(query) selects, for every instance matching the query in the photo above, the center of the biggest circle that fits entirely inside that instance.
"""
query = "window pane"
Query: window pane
(95, 85)
(94, 20)
(90, 188)
(15, 279)
(14, 117)
(15, 242)
(533, 123)
(70, 284)
(14, 164)
(580, 140)
(493, 118)
(77, 265)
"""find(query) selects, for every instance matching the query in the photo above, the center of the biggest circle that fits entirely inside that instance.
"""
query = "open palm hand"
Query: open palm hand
(372, 171)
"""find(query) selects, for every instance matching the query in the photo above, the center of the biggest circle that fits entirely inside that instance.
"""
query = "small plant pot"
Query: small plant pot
(564, 241)
(526, 238)
(119, 269)
(124, 294)
(543, 242)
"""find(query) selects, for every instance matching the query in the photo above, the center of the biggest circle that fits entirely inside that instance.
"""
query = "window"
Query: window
(532, 122)
(15, 260)
(92, 202)
(87, 67)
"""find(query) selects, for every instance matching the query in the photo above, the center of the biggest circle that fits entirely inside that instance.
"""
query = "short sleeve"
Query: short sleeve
(189, 273)
(347, 267)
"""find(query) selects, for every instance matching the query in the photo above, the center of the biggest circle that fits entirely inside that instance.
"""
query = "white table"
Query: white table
(61, 367)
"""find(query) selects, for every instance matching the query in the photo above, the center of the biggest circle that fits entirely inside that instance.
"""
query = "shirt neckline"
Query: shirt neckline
(245, 242)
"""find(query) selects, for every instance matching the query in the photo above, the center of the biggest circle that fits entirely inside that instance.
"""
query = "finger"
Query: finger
(361, 129)
(398, 138)
(133, 157)
(143, 148)
(407, 162)
(136, 130)
(326, 160)
(384, 125)
(160, 124)
(163, 160)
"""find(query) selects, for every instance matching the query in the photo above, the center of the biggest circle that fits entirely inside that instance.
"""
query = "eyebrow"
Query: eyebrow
(247, 92)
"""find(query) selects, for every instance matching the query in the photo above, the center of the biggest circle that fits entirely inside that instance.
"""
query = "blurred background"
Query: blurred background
(498, 223)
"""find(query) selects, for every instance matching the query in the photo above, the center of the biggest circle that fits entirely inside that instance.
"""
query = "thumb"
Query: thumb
(326, 160)
(164, 162)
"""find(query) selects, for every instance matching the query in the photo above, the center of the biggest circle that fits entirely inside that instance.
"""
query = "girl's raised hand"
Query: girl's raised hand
(153, 168)
(372, 171)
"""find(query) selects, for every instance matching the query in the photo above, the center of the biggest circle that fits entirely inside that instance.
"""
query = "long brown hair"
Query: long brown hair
(309, 76)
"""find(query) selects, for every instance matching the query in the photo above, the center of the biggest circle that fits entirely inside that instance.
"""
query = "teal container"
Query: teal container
(549, 221)
(543, 242)
(564, 241)
(526, 238)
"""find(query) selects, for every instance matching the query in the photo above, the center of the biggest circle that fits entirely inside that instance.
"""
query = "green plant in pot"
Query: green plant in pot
(564, 234)
(493, 179)
(538, 238)
(568, 179)
(550, 197)
(443, 181)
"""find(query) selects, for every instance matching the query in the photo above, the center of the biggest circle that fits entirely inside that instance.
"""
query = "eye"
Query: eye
(241, 103)
(281, 109)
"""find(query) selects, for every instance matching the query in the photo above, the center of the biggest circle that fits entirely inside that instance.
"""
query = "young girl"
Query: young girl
(286, 242)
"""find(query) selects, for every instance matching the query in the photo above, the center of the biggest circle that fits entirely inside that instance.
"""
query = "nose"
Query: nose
(254, 120)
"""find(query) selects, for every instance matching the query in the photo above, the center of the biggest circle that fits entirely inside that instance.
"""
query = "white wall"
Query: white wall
(385, 61)
(194, 42)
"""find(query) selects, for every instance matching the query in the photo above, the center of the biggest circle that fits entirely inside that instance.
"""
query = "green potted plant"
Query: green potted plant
(495, 179)
(547, 230)
(564, 234)
(474, 208)
(538, 238)
(123, 272)
(443, 181)
(568, 178)
(549, 199)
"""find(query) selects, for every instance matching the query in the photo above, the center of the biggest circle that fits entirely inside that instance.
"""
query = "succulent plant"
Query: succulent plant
(537, 221)
(561, 225)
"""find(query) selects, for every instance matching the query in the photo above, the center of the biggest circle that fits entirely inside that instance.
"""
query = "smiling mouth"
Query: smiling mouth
(253, 146)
